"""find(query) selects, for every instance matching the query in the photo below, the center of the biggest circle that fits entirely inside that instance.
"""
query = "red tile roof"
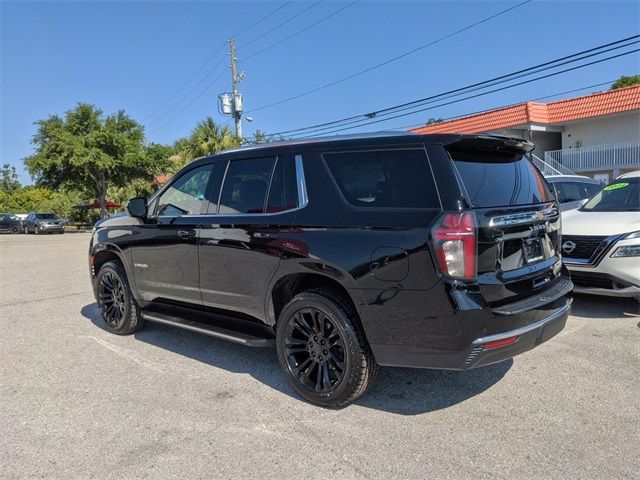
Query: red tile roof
(552, 113)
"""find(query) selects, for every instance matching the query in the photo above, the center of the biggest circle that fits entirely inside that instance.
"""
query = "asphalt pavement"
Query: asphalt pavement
(78, 402)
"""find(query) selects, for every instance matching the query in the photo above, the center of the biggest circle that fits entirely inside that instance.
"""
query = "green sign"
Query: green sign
(615, 186)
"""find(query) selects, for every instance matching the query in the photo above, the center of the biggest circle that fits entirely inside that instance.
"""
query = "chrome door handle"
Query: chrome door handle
(265, 235)
(184, 234)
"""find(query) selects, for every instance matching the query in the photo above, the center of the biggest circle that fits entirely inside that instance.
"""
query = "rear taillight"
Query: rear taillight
(455, 242)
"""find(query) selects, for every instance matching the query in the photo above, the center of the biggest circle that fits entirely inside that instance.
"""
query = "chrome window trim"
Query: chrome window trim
(303, 199)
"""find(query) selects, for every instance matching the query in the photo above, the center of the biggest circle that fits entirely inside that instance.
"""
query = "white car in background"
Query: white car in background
(601, 240)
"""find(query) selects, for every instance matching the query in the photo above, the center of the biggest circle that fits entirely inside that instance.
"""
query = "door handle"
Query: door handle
(185, 234)
(264, 235)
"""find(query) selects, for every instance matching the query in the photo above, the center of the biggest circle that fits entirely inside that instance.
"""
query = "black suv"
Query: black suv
(435, 251)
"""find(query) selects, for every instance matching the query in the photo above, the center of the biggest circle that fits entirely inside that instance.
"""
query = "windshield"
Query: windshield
(621, 196)
(45, 216)
(496, 179)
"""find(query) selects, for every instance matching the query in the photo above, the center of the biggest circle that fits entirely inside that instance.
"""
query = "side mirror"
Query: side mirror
(137, 207)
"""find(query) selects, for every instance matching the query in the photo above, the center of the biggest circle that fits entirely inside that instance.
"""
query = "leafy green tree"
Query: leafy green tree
(9, 179)
(207, 138)
(86, 151)
(38, 199)
(625, 81)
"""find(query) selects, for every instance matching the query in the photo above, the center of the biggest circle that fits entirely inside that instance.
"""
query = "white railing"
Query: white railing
(550, 167)
(600, 157)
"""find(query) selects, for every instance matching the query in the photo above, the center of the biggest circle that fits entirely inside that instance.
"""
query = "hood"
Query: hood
(577, 222)
(116, 220)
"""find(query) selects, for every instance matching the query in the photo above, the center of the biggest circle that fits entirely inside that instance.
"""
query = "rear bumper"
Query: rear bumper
(480, 352)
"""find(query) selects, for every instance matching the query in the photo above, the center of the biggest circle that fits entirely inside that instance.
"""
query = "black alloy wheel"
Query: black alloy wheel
(112, 298)
(315, 350)
(118, 309)
(322, 348)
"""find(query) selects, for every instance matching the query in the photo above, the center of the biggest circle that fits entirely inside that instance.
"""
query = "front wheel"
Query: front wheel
(15, 229)
(322, 349)
(116, 304)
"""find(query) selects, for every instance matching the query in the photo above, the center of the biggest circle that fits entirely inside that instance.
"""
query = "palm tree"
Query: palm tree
(207, 138)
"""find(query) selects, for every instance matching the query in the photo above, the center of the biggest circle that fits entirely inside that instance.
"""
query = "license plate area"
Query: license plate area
(532, 250)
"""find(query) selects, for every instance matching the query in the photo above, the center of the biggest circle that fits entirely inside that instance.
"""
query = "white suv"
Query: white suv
(601, 240)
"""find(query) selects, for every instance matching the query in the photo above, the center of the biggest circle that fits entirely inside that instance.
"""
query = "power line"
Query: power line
(386, 62)
(252, 55)
(273, 12)
(281, 24)
(184, 85)
(485, 110)
(191, 90)
(458, 91)
(441, 97)
(479, 94)
(299, 31)
(210, 59)
(209, 85)
(476, 86)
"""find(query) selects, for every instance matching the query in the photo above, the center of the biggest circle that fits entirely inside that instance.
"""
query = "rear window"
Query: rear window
(384, 178)
(499, 179)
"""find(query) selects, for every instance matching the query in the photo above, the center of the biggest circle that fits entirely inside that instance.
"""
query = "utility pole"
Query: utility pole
(235, 80)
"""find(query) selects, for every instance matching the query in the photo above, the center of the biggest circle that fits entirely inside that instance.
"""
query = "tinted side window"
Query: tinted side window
(384, 178)
(245, 186)
(570, 191)
(185, 196)
(283, 192)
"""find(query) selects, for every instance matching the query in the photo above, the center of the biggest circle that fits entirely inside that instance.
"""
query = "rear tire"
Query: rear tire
(118, 309)
(323, 350)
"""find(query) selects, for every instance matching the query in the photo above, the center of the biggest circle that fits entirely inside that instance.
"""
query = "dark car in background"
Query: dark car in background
(572, 190)
(434, 251)
(10, 223)
(43, 223)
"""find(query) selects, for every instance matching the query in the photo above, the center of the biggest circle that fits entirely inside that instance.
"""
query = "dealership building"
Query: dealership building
(596, 135)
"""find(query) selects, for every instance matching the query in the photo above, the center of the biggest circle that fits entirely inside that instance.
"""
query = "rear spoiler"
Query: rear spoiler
(491, 143)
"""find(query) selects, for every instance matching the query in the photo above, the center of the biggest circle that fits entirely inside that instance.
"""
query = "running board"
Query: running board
(243, 338)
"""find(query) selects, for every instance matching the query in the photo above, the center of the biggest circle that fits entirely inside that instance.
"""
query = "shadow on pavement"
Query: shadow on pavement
(395, 390)
(600, 307)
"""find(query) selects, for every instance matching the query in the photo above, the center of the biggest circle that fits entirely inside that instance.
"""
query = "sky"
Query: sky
(137, 56)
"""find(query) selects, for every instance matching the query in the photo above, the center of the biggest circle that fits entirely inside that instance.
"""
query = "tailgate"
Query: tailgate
(517, 217)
